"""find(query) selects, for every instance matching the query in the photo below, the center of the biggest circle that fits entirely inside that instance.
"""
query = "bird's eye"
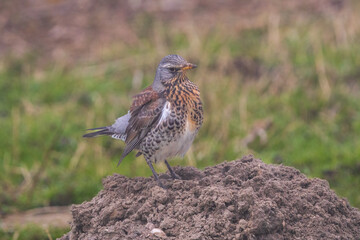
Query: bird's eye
(172, 69)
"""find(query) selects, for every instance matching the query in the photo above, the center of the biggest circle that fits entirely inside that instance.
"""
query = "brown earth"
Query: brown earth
(242, 199)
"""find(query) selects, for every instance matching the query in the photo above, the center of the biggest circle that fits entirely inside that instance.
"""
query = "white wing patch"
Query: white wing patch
(165, 112)
(119, 136)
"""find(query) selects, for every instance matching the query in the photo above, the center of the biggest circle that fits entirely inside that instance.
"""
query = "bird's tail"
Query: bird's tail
(100, 131)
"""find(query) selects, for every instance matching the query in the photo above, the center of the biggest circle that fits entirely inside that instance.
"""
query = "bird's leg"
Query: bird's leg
(173, 174)
(155, 174)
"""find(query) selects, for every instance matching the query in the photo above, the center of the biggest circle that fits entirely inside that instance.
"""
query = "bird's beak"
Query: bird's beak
(188, 66)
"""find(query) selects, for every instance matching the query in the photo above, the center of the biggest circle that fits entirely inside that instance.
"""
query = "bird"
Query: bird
(163, 119)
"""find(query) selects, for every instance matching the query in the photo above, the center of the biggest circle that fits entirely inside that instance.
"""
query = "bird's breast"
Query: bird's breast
(177, 142)
(179, 122)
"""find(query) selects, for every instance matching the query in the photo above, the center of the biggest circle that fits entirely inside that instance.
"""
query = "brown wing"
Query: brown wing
(145, 112)
(146, 96)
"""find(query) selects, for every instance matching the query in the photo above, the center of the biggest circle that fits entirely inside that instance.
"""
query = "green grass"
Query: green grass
(33, 232)
(305, 81)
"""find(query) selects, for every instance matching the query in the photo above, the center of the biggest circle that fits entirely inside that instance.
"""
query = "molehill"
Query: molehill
(242, 199)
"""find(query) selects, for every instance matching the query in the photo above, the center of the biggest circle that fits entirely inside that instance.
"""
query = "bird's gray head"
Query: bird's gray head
(170, 67)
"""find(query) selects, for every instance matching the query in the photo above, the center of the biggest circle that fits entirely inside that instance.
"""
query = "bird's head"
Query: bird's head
(171, 67)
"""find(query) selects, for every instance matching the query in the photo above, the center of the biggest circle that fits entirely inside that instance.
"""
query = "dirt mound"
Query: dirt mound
(243, 199)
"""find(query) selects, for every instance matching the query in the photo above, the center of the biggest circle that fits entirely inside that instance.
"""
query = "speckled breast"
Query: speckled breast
(178, 125)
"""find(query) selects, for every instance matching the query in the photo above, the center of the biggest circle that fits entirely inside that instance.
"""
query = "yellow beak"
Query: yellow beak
(188, 66)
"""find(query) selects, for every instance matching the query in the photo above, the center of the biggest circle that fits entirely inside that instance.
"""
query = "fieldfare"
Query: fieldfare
(163, 119)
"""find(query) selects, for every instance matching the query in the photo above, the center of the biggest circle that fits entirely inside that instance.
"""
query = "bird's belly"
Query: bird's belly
(178, 146)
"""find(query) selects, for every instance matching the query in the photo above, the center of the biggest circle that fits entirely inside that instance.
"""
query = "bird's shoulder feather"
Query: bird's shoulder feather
(147, 95)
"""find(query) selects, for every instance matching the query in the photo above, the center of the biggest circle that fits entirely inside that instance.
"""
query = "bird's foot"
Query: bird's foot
(155, 175)
(174, 175)
(160, 184)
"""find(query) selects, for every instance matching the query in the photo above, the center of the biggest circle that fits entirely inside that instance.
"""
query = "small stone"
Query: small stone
(158, 232)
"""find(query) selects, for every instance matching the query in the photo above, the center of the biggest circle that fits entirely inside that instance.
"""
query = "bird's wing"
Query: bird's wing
(146, 96)
(145, 112)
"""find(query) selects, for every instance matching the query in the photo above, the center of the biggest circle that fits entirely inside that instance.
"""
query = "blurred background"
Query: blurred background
(278, 79)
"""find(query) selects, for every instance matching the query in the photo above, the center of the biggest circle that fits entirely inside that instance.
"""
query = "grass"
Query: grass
(33, 232)
(301, 74)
